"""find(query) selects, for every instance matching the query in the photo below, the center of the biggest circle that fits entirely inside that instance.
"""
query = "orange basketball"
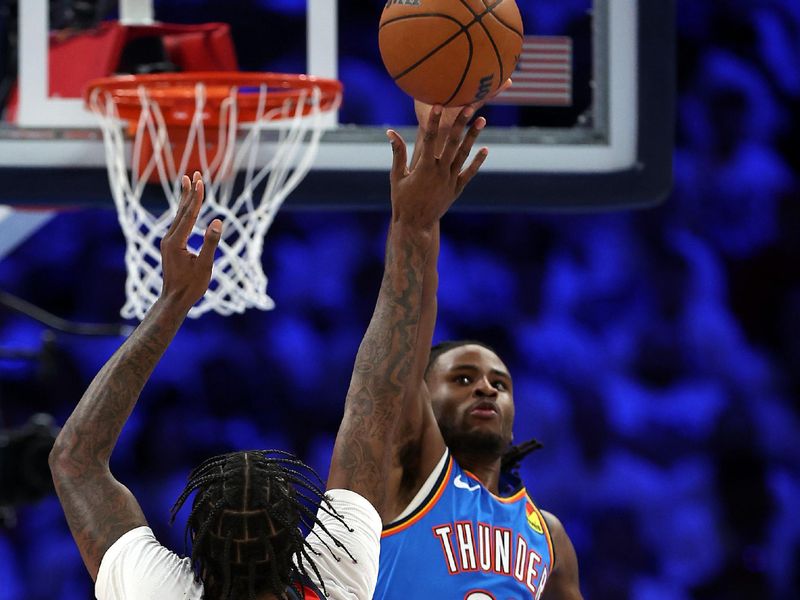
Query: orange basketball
(450, 52)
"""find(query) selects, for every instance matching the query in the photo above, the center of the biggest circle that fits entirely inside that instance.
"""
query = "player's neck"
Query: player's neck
(487, 471)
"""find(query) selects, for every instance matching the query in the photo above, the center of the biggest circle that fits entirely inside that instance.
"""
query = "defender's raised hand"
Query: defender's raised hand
(187, 275)
(423, 193)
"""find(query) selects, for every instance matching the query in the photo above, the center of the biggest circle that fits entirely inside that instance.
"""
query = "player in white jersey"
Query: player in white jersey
(244, 519)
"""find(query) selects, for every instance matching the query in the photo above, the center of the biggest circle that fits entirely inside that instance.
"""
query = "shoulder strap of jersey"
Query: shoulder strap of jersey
(426, 497)
(308, 589)
(545, 528)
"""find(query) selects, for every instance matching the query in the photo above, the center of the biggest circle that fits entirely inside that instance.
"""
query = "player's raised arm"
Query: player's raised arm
(420, 438)
(449, 119)
(98, 508)
(385, 371)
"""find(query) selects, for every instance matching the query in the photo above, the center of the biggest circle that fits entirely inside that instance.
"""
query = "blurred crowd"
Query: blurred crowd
(655, 354)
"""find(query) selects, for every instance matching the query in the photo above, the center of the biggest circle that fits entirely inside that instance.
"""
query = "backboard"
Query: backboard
(603, 139)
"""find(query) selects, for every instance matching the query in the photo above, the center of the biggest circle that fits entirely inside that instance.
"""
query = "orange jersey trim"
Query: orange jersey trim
(421, 512)
(546, 528)
(509, 500)
(523, 493)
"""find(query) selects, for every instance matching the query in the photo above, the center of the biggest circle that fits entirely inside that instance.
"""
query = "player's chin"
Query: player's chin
(483, 439)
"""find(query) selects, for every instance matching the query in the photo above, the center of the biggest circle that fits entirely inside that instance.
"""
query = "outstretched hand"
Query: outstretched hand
(423, 193)
(187, 275)
(450, 113)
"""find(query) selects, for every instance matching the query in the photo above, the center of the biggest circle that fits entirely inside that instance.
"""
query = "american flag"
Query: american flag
(544, 73)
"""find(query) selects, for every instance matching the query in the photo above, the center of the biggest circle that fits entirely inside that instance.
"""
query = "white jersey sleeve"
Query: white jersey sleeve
(346, 579)
(137, 567)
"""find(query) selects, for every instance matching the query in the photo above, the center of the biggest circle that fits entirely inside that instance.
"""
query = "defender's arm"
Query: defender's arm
(98, 508)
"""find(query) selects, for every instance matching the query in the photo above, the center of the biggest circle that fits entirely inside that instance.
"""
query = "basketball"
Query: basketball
(450, 52)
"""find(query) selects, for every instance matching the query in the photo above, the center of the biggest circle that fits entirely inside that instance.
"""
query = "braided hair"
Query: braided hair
(511, 459)
(245, 523)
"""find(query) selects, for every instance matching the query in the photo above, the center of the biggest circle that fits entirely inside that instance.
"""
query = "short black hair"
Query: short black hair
(438, 349)
(245, 522)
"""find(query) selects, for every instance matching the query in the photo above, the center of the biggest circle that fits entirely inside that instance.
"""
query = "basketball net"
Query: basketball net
(242, 188)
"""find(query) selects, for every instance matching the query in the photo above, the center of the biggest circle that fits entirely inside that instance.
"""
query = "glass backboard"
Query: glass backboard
(590, 130)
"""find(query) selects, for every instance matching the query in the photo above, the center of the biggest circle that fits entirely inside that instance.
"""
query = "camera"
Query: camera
(24, 471)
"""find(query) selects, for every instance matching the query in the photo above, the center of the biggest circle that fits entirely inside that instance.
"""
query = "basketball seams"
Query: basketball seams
(470, 9)
(462, 30)
(488, 34)
(462, 16)
(466, 68)
(506, 25)
(490, 11)
(419, 15)
(479, 19)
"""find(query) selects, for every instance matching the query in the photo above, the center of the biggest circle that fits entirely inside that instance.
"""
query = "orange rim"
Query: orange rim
(175, 94)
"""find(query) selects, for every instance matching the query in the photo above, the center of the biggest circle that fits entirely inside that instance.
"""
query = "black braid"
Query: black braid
(246, 520)
(226, 561)
(510, 481)
(251, 576)
(514, 455)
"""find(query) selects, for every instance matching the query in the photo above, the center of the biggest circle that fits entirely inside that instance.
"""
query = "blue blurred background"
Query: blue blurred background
(654, 353)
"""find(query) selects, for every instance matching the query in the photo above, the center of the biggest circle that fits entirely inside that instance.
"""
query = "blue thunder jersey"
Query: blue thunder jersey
(307, 588)
(463, 542)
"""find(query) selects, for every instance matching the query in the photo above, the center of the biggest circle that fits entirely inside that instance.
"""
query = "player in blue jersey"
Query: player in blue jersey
(449, 532)
(245, 517)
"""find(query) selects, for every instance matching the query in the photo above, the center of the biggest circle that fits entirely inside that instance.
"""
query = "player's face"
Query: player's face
(472, 399)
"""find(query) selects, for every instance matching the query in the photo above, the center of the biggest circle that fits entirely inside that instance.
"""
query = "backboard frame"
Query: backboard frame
(612, 162)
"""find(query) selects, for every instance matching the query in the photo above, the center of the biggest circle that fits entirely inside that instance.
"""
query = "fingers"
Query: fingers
(506, 84)
(186, 187)
(399, 155)
(466, 145)
(196, 197)
(455, 135)
(210, 243)
(192, 194)
(466, 176)
(431, 134)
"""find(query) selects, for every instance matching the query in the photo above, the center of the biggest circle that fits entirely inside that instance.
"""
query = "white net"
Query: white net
(247, 177)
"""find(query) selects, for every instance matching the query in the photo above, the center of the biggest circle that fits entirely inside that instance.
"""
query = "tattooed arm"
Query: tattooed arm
(386, 364)
(419, 442)
(98, 508)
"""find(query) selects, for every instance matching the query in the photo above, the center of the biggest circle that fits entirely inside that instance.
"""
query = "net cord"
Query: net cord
(238, 190)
